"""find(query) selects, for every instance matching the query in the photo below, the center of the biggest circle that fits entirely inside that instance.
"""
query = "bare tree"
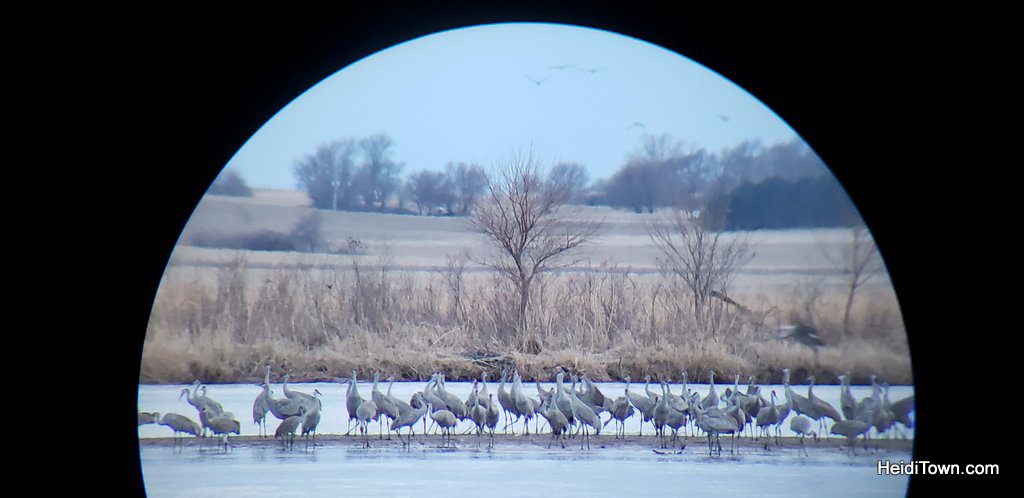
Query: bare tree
(696, 253)
(519, 215)
(859, 261)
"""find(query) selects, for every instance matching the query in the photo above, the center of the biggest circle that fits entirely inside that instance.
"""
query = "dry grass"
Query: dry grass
(226, 324)
(223, 315)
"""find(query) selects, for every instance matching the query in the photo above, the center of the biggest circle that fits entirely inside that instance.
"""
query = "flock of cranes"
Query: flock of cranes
(569, 409)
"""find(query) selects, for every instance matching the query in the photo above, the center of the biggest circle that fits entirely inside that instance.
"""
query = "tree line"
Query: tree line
(750, 185)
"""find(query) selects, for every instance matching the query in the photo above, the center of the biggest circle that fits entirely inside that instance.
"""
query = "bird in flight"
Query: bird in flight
(536, 81)
(561, 67)
(724, 118)
(589, 70)
(635, 124)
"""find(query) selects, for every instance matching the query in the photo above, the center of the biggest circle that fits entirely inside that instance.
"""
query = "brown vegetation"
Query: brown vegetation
(227, 324)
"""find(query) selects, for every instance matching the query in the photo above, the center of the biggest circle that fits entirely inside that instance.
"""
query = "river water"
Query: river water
(347, 469)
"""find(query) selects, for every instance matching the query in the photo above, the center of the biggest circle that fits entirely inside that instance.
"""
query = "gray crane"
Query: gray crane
(477, 414)
(642, 404)
(714, 422)
(507, 404)
(180, 424)
(199, 404)
(352, 400)
(493, 413)
(311, 419)
(621, 409)
(222, 424)
(259, 414)
(847, 403)
(711, 400)
(583, 413)
(281, 408)
(556, 419)
(401, 404)
(851, 429)
(523, 404)
(147, 418)
(483, 395)
(286, 429)
(446, 420)
(307, 400)
(767, 417)
(455, 405)
(800, 404)
(802, 426)
(735, 409)
(385, 406)
(366, 412)
(900, 410)
(822, 409)
(409, 419)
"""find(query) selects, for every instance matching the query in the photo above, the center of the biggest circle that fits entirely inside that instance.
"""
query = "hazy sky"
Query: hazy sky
(467, 95)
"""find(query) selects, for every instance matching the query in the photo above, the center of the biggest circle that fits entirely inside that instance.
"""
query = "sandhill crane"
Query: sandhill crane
(767, 417)
(711, 400)
(735, 409)
(620, 410)
(900, 410)
(286, 429)
(478, 414)
(523, 404)
(400, 404)
(714, 422)
(851, 429)
(177, 423)
(483, 395)
(365, 412)
(384, 406)
(455, 405)
(593, 396)
(409, 419)
(821, 407)
(847, 403)
(583, 413)
(147, 418)
(222, 424)
(416, 402)
(281, 408)
(311, 419)
(493, 413)
(674, 420)
(259, 414)
(199, 404)
(445, 420)
(800, 404)
(642, 404)
(307, 400)
(802, 426)
(473, 398)
(352, 400)
(507, 404)
(556, 419)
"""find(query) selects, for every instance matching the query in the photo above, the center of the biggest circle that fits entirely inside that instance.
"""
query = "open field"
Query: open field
(398, 307)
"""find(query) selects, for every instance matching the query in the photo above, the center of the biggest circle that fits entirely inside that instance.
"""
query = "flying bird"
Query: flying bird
(635, 124)
(561, 67)
(724, 118)
(538, 82)
(589, 70)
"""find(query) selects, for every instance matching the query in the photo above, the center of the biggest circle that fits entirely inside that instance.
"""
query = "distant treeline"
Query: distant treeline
(753, 186)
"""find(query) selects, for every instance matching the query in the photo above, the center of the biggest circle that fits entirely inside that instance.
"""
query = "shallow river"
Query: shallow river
(346, 469)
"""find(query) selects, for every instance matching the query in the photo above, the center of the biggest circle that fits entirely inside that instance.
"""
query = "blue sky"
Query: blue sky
(472, 95)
